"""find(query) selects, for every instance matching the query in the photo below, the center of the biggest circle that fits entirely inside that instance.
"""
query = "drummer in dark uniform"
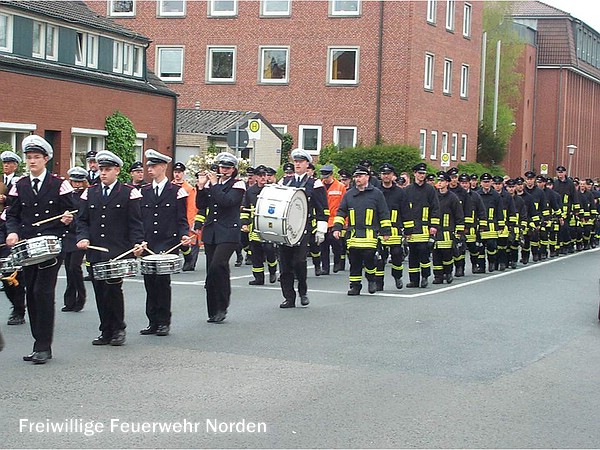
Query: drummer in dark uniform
(164, 206)
(36, 197)
(110, 217)
(136, 171)
(93, 176)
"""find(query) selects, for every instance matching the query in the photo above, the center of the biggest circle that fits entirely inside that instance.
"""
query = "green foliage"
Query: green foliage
(121, 140)
(491, 149)
(287, 143)
(402, 157)
(6, 147)
(212, 147)
(199, 163)
(479, 168)
(327, 153)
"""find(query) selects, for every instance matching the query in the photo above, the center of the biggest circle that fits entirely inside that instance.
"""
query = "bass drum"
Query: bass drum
(280, 214)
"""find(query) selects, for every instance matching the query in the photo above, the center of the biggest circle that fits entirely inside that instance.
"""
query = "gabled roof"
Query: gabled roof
(74, 12)
(211, 122)
(536, 9)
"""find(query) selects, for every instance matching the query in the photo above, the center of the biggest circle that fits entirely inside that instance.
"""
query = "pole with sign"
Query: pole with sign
(445, 160)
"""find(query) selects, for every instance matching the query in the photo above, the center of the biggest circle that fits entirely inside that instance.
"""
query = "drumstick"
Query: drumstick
(177, 246)
(100, 249)
(150, 251)
(135, 247)
(50, 219)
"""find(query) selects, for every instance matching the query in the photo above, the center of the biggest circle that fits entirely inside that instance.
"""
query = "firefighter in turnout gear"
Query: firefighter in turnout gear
(488, 228)
(465, 201)
(521, 219)
(474, 214)
(510, 222)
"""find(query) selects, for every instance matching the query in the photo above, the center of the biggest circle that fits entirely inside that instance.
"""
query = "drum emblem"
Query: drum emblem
(271, 209)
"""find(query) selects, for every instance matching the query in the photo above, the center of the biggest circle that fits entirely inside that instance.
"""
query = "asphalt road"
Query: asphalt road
(507, 359)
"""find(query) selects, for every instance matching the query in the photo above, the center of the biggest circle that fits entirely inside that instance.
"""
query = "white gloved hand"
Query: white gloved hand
(319, 237)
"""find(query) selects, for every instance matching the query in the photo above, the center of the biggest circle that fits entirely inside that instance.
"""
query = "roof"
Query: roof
(211, 122)
(74, 12)
(536, 9)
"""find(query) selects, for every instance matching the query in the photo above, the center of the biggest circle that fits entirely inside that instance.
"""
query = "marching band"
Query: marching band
(374, 219)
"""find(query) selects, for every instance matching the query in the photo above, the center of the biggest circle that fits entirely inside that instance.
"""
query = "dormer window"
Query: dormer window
(121, 8)
(5, 33)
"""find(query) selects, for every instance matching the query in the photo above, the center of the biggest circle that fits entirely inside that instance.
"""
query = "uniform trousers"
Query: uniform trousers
(16, 294)
(418, 261)
(111, 305)
(337, 248)
(359, 258)
(218, 283)
(292, 264)
(75, 293)
(397, 257)
(158, 299)
(491, 248)
(261, 252)
(443, 261)
(40, 287)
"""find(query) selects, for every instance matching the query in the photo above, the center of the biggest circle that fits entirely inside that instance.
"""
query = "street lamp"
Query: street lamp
(571, 149)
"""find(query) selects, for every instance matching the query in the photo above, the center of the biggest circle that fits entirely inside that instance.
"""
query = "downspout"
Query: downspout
(379, 68)
(175, 126)
(535, 96)
(558, 116)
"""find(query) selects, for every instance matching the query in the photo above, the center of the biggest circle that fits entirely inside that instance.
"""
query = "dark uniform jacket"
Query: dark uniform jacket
(69, 242)
(541, 211)
(423, 211)
(114, 223)
(494, 218)
(452, 219)
(554, 202)
(318, 209)
(397, 203)
(53, 199)
(249, 205)
(221, 204)
(164, 217)
(566, 190)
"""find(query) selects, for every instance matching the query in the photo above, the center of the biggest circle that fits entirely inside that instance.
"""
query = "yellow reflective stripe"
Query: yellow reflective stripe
(409, 224)
(446, 221)
(385, 223)
(425, 214)
(352, 219)
(338, 220)
(369, 217)
(394, 215)
(491, 214)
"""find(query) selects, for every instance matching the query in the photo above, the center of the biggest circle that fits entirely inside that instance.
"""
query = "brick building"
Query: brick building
(63, 70)
(560, 105)
(346, 72)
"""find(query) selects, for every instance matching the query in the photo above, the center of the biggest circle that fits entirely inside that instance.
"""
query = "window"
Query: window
(127, 59)
(447, 88)
(80, 49)
(428, 79)
(138, 61)
(343, 65)
(450, 10)
(463, 147)
(84, 140)
(117, 56)
(5, 33)
(273, 64)
(454, 146)
(282, 129)
(170, 63)
(310, 138)
(171, 8)
(92, 51)
(51, 42)
(422, 143)
(217, 8)
(221, 64)
(467, 20)
(14, 133)
(433, 148)
(138, 147)
(431, 10)
(275, 7)
(464, 81)
(121, 8)
(444, 146)
(344, 7)
(39, 40)
(344, 137)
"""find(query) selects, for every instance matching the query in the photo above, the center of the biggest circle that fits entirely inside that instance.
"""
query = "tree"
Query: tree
(121, 140)
(402, 157)
(287, 143)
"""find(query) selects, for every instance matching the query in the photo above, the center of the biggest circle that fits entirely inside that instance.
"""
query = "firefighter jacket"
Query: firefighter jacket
(397, 203)
(335, 193)
(508, 214)
(249, 209)
(423, 211)
(566, 190)
(540, 211)
(494, 219)
(452, 220)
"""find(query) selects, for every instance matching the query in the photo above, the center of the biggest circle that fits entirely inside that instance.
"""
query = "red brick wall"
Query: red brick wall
(405, 107)
(60, 105)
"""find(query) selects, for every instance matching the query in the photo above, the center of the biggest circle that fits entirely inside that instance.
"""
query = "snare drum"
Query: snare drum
(36, 250)
(7, 265)
(280, 214)
(161, 264)
(120, 268)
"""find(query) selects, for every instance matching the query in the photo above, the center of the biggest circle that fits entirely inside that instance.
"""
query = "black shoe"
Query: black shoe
(187, 268)
(67, 309)
(536, 258)
(239, 261)
(479, 269)
(163, 330)
(501, 267)
(412, 284)
(399, 283)
(354, 290)
(512, 265)
(437, 280)
(220, 316)
(570, 250)
(87, 278)
(424, 282)
(272, 278)
(379, 284)
(304, 301)
(543, 256)
(30, 357)
(449, 278)
(101, 340)
(78, 307)
(372, 287)
(248, 261)
(337, 267)
(16, 319)
(288, 304)
(41, 357)
(459, 272)
(325, 271)
(318, 272)
(118, 338)
(256, 282)
(491, 268)
(150, 329)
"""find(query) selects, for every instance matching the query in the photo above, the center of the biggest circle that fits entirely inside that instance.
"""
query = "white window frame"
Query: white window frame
(162, 13)
(447, 86)
(81, 48)
(429, 69)
(467, 17)
(431, 11)
(444, 143)
(158, 61)
(464, 81)
(118, 56)
(330, 52)
(264, 10)
(454, 146)
(336, 134)
(229, 13)
(450, 15)
(8, 37)
(138, 147)
(433, 145)
(463, 147)
(283, 129)
(92, 50)
(138, 61)
(41, 41)
(127, 59)
(262, 50)
(85, 133)
(423, 143)
(111, 13)
(302, 128)
(210, 50)
(51, 30)
(14, 129)
(336, 12)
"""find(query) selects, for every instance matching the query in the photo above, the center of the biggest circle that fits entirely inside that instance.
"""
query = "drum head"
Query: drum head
(296, 218)
(160, 257)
